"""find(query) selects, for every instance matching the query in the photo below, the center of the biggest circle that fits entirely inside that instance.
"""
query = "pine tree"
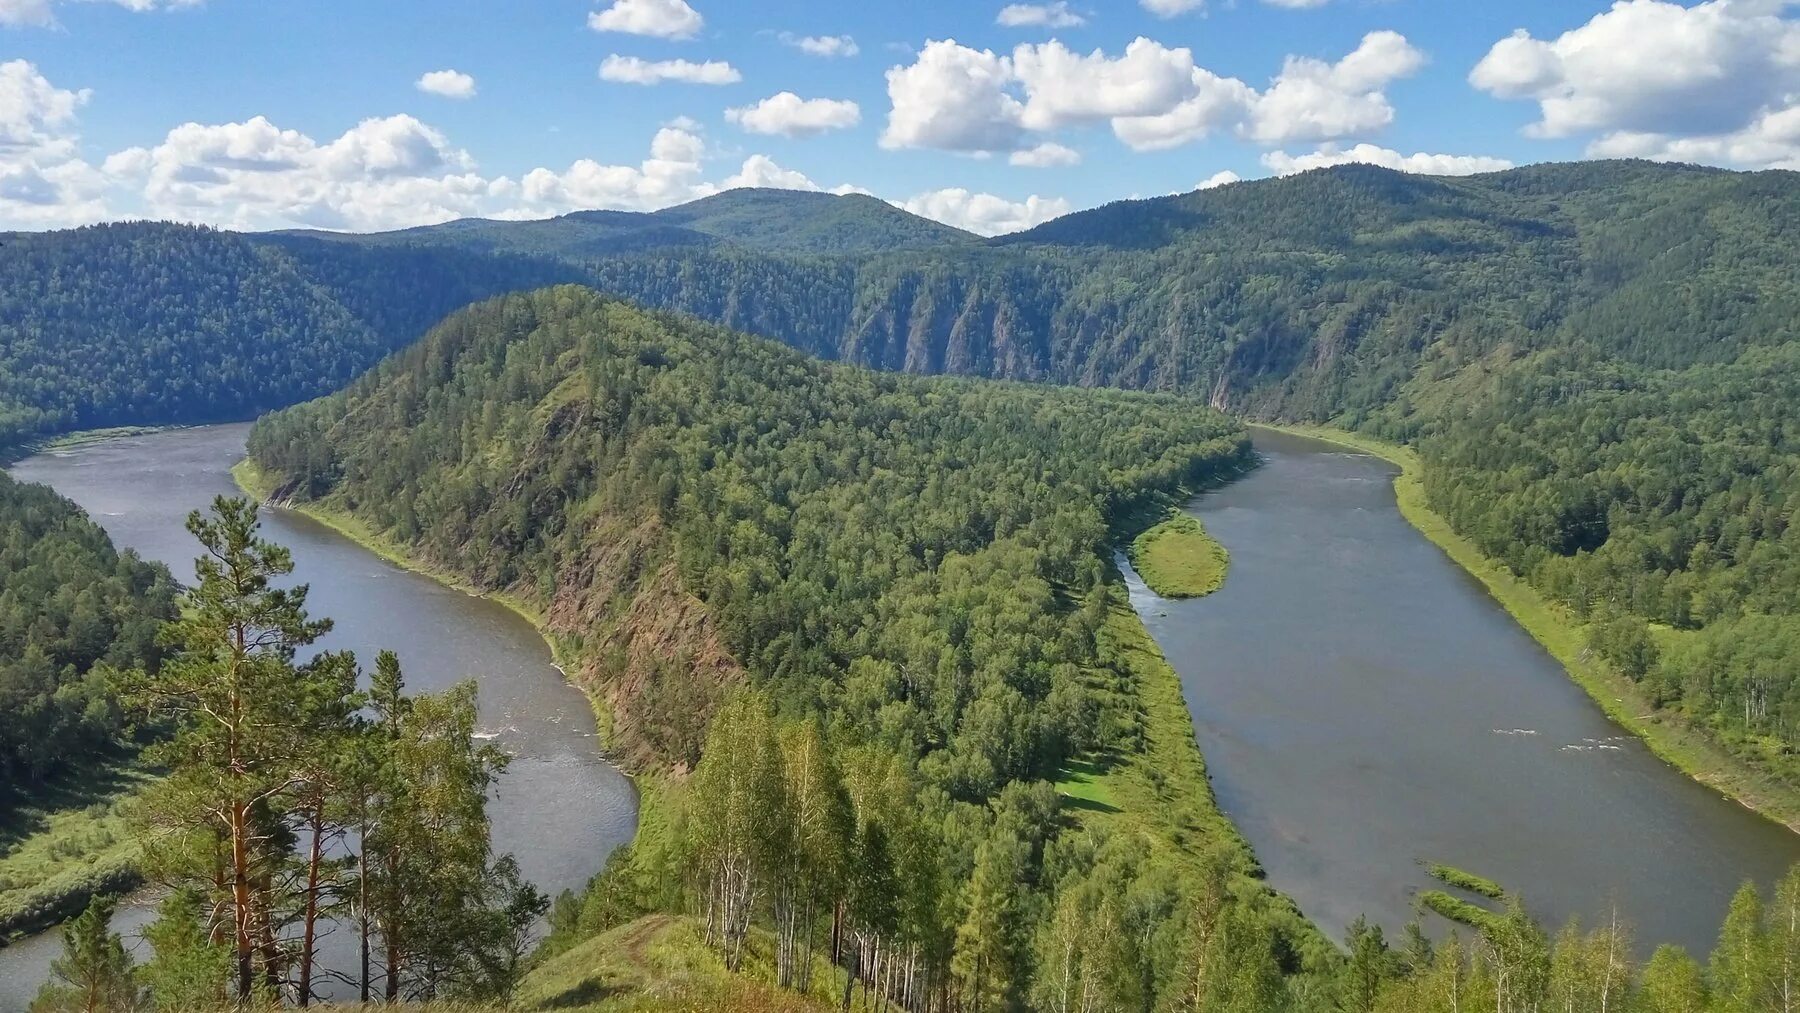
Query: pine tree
(187, 970)
(233, 690)
(94, 973)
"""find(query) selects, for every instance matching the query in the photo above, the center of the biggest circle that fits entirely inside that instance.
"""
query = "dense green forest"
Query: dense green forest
(70, 608)
(151, 324)
(906, 575)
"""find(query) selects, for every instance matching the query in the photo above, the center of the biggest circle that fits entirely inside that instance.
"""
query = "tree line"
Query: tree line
(71, 607)
(295, 803)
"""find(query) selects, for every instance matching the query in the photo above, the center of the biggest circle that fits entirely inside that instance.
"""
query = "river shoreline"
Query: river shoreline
(1671, 737)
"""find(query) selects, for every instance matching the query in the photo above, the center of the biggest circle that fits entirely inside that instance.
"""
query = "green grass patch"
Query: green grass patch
(1456, 909)
(1450, 875)
(662, 962)
(1672, 737)
(69, 843)
(1178, 559)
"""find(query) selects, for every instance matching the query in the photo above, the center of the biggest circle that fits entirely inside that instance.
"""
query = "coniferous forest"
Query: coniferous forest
(856, 628)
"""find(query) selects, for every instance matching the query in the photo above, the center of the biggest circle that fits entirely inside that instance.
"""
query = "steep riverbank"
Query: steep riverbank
(1671, 737)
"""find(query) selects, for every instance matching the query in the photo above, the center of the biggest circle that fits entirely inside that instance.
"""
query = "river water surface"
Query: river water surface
(1364, 707)
(560, 808)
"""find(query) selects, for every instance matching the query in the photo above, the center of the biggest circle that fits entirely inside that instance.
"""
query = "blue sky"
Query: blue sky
(259, 115)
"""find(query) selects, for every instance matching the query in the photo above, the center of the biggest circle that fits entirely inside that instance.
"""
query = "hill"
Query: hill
(1593, 359)
(749, 219)
(154, 324)
(890, 594)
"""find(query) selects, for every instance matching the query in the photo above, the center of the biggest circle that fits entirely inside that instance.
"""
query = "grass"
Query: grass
(1673, 738)
(661, 962)
(1178, 559)
(1450, 875)
(1456, 909)
(69, 843)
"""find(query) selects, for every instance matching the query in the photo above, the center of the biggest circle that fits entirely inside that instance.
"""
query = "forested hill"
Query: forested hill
(150, 323)
(908, 574)
(689, 499)
(750, 219)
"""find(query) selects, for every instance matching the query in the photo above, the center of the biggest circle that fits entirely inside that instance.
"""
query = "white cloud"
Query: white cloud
(1046, 155)
(984, 213)
(1284, 164)
(666, 19)
(44, 183)
(953, 98)
(1045, 15)
(822, 45)
(1313, 100)
(1218, 179)
(1297, 4)
(634, 70)
(1216, 102)
(1171, 8)
(1064, 88)
(384, 172)
(790, 115)
(956, 98)
(448, 83)
(38, 13)
(1716, 82)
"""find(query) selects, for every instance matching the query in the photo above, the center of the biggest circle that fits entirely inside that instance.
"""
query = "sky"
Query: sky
(365, 115)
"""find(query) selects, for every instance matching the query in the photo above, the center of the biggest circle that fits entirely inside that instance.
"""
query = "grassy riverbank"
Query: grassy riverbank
(1670, 736)
(68, 844)
(1178, 559)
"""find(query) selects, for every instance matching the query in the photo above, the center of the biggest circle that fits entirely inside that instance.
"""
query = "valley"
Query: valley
(864, 632)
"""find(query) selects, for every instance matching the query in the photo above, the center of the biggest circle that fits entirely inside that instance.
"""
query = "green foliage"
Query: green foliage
(1178, 559)
(94, 973)
(1455, 909)
(1450, 875)
(148, 323)
(70, 607)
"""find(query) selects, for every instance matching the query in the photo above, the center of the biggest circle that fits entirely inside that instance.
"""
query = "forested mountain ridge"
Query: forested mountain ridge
(154, 323)
(781, 573)
(751, 219)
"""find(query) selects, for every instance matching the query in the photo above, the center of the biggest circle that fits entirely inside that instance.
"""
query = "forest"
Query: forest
(897, 589)
(71, 608)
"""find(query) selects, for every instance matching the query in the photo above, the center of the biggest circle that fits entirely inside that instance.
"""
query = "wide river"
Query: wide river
(559, 807)
(1365, 707)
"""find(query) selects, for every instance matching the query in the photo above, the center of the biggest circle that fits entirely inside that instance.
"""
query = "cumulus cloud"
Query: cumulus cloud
(984, 213)
(635, 70)
(1214, 103)
(44, 182)
(1218, 179)
(448, 83)
(1063, 88)
(665, 19)
(956, 98)
(1046, 15)
(822, 45)
(953, 98)
(38, 13)
(1046, 155)
(1716, 82)
(1315, 100)
(790, 115)
(1284, 164)
(1171, 8)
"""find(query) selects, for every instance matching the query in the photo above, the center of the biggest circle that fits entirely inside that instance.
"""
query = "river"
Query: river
(1365, 707)
(560, 808)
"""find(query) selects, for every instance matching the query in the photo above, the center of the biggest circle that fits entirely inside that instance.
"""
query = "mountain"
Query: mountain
(1593, 359)
(749, 219)
(152, 323)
